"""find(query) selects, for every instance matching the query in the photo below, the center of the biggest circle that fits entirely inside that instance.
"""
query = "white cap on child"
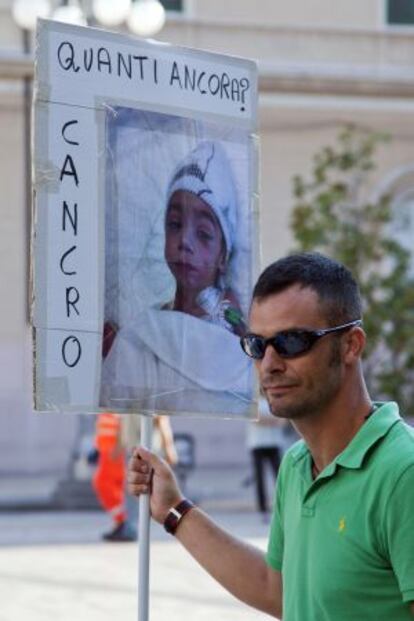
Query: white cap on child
(206, 172)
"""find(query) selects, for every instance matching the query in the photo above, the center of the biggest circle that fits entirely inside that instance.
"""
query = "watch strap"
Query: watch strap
(176, 514)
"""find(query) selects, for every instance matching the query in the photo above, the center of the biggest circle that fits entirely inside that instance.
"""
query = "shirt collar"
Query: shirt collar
(385, 416)
(376, 427)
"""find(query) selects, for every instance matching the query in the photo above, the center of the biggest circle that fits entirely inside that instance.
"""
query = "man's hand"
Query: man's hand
(147, 473)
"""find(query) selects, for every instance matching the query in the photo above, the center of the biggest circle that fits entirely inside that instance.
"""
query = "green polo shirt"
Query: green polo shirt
(345, 541)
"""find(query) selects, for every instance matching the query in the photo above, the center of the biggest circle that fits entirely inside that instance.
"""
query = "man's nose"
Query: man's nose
(271, 361)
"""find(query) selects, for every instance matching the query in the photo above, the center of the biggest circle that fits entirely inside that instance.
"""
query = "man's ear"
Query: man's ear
(354, 344)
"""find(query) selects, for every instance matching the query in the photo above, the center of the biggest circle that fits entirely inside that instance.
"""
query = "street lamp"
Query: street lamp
(110, 13)
(70, 12)
(26, 12)
(143, 17)
(146, 18)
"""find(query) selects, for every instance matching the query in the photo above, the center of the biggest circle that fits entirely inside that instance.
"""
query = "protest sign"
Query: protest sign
(145, 228)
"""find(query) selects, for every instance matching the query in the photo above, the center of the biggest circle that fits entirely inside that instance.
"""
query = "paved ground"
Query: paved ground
(53, 567)
(222, 488)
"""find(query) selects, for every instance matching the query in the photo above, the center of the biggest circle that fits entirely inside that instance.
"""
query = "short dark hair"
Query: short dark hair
(332, 281)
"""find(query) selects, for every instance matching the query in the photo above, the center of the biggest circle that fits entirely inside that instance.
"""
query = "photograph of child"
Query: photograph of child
(172, 339)
(199, 237)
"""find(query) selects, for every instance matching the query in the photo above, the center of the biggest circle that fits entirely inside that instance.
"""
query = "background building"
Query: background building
(320, 66)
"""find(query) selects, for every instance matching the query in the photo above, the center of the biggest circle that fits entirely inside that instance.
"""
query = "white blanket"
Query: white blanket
(174, 362)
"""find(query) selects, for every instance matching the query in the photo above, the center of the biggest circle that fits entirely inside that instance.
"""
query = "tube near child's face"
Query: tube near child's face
(194, 244)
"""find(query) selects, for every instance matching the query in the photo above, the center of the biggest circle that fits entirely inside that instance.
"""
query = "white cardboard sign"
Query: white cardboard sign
(96, 92)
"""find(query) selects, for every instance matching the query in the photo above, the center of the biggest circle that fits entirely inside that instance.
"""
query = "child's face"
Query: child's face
(194, 244)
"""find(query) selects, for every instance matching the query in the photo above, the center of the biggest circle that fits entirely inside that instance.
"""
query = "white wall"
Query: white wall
(310, 13)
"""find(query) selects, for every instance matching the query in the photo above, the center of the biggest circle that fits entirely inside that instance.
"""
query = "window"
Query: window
(400, 12)
(172, 5)
(402, 225)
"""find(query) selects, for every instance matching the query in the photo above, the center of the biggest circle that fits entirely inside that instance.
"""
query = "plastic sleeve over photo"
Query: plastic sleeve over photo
(179, 242)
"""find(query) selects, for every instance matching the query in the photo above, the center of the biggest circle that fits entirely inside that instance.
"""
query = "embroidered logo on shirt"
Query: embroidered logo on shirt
(342, 525)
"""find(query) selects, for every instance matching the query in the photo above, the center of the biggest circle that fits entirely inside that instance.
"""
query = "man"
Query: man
(342, 534)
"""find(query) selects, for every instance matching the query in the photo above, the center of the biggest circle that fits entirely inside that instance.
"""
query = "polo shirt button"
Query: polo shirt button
(308, 511)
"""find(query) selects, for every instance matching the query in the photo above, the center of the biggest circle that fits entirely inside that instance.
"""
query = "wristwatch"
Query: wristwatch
(176, 514)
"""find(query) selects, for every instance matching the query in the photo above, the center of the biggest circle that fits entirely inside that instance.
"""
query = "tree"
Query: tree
(333, 215)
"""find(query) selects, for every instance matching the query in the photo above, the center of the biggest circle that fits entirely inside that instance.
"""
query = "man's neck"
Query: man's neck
(329, 432)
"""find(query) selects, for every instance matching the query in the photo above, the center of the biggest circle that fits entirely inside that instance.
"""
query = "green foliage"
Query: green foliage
(332, 215)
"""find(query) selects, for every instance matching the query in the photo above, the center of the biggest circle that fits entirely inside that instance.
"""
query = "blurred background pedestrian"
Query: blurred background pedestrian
(267, 439)
(116, 436)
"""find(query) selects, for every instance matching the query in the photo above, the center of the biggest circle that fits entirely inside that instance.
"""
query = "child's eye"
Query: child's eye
(205, 235)
(173, 225)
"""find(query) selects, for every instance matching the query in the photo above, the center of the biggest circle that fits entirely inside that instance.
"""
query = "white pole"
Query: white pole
(144, 532)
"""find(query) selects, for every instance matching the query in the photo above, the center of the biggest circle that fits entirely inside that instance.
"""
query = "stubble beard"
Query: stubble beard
(309, 405)
(319, 393)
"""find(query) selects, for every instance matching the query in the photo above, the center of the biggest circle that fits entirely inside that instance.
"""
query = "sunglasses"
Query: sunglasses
(289, 343)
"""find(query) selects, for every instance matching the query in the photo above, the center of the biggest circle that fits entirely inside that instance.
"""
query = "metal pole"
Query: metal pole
(27, 104)
(144, 532)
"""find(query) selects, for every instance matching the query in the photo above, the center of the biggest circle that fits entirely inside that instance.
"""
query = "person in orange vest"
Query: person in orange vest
(116, 436)
(109, 478)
